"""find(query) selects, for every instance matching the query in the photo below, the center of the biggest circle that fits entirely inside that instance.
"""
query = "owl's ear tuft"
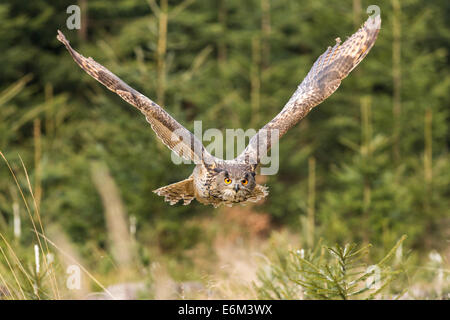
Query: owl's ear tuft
(213, 167)
(210, 166)
(218, 170)
(253, 168)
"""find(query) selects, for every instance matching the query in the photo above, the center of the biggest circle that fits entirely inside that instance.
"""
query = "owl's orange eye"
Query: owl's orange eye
(244, 182)
(227, 180)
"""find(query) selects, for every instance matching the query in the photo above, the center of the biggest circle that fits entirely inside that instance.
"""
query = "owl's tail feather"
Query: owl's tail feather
(183, 190)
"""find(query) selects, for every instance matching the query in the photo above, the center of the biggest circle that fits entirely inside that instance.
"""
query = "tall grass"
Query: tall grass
(32, 282)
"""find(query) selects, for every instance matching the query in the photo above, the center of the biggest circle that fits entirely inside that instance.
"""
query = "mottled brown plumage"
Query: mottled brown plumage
(206, 183)
(322, 80)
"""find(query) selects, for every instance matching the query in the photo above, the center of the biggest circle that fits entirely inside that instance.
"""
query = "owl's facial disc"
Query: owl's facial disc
(235, 185)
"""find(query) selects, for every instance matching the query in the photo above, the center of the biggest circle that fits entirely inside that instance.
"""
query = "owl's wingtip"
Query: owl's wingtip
(373, 22)
(61, 38)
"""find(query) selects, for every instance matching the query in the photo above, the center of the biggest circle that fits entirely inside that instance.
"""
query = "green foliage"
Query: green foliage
(20, 277)
(223, 67)
(327, 273)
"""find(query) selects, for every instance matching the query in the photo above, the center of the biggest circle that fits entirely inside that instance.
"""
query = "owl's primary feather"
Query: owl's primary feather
(322, 80)
(215, 181)
(172, 134)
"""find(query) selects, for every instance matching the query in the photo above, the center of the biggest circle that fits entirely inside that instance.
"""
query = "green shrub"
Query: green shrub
(327, 273)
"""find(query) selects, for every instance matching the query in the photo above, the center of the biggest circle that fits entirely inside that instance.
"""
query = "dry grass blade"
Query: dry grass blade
(53, 281)
(54, 286)
(77, 263)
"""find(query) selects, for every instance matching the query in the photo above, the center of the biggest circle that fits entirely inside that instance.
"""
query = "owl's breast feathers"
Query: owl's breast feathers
(202, 186)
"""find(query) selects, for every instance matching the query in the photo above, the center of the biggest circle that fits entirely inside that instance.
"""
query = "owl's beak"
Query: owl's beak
(236, 187)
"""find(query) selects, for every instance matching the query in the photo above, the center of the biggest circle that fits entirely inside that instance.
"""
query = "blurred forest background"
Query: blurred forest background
(367, 166)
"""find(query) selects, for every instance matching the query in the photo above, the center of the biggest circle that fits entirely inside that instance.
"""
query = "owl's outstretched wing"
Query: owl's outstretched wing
(173, 134)
(322, 80)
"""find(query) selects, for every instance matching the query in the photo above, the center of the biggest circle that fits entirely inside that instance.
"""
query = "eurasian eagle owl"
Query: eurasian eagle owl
(216, 181)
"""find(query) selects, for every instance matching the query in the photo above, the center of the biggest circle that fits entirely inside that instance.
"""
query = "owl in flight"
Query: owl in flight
(215, 181)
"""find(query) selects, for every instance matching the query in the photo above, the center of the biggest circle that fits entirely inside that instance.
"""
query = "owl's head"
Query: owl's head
(233, 183)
